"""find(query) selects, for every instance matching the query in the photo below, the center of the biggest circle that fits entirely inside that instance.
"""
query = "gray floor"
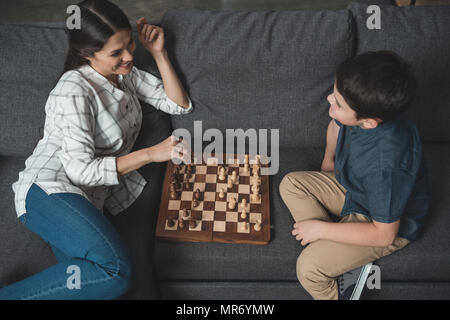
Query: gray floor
(55, 10)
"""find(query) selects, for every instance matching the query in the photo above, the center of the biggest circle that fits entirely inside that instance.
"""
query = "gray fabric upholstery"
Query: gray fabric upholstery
(422, 37)
(259, 69)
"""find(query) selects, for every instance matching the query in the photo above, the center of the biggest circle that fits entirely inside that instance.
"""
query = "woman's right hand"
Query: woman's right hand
(171, 148)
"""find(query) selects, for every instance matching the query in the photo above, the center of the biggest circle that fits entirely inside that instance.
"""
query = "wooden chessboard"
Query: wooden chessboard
(214, 221)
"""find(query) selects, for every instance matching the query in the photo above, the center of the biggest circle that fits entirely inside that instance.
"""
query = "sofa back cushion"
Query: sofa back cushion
(259, 70)
(32, 56)
(421, 35)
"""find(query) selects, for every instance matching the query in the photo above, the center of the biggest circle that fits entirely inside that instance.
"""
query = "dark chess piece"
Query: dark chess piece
(192, 224)
(170, 223)
(197, 194)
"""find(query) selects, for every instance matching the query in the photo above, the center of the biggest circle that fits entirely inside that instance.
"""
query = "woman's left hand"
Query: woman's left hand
(151, 36)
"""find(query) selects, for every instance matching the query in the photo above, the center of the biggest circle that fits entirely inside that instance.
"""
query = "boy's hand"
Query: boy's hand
(307, 231)
(151, 37)
(327, 165)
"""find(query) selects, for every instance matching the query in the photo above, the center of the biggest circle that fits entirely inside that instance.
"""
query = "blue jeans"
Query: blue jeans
(93, 263)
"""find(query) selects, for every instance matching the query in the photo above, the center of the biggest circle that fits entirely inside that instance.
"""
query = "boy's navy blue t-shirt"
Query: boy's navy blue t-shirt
(384, 173)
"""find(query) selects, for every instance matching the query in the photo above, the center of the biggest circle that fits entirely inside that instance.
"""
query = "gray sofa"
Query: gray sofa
(260, 70)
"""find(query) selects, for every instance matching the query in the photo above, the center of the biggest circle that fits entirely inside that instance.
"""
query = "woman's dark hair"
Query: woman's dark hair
(376, 84)
(100, 19)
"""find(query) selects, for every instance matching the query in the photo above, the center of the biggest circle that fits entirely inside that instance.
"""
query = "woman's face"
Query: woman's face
(116, 56)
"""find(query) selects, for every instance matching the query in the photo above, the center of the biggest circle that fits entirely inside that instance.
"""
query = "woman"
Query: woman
(83, 162)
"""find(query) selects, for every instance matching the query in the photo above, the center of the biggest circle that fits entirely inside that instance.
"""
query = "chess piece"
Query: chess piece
(170, 223)
(244, 204)
(233, 176)
(246, 159)
(245, 226)
(256, 179)
(256, 165)
(222, 174)
(246, 168)
(185, 213)
(230, 184)
(258, 225)
(195, 203)
(197, 194)
(232, 203)
(181, 223)
(172, 193)
(187, 185)
(221, 194)
(192, 224)
(255, 195)
(243, 214)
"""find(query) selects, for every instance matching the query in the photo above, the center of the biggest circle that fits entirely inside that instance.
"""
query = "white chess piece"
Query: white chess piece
(222, 174)
(243, 214)
(257, 225)
(233, 176)
(232, 203)
(221, 194)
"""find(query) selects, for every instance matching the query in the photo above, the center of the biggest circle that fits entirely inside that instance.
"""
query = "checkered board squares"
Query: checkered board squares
(214, 220)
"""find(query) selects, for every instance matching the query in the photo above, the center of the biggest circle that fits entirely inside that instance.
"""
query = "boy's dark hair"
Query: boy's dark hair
(376, 84)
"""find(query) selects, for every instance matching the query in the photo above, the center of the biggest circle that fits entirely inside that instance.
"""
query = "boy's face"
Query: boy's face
(341, 111)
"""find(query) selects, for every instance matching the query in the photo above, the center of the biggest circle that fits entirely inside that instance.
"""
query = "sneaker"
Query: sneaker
(351, 284)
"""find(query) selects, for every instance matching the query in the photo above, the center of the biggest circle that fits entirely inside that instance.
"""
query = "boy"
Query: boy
(373, 176)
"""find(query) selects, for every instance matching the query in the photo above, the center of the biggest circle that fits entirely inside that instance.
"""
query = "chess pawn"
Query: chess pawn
(172, 192)
(222, 174)
(170, 223)
(258, 225)
(192, 224)
(185, 213)
(195, 203)
(246, 168)
(243, 214)
(246, 159)
(232, 203)
(230, 183)
(233, 176)
(181, 223)
(221, 194)
(197, 194)
(244, 204)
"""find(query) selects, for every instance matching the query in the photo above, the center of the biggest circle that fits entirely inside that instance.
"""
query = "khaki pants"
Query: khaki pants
(309, 195)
